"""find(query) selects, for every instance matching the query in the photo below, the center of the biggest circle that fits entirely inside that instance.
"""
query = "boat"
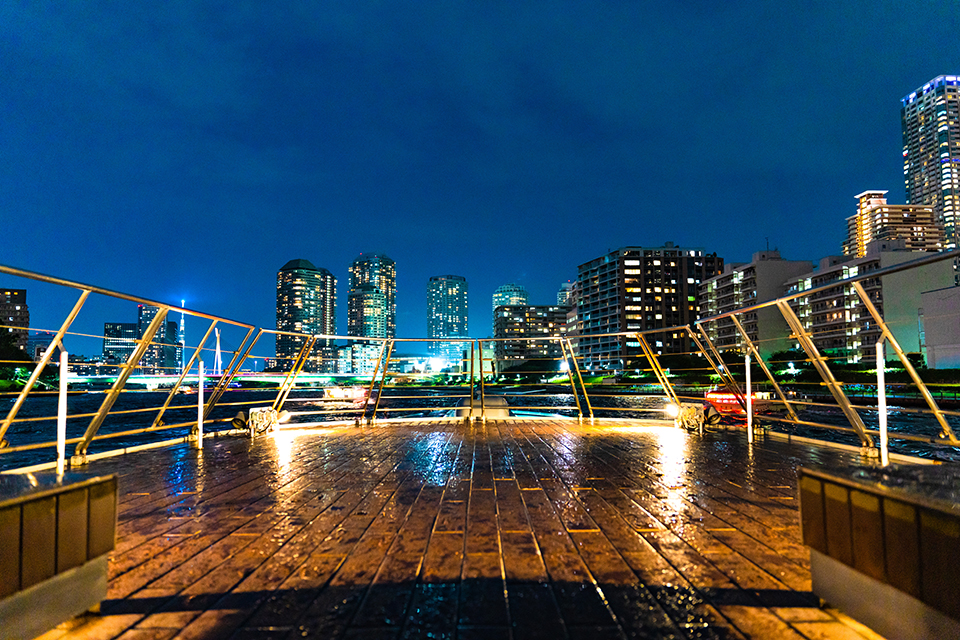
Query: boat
(729, 403)
(355, 524)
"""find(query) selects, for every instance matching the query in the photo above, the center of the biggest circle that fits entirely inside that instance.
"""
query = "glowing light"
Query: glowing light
(672, 410)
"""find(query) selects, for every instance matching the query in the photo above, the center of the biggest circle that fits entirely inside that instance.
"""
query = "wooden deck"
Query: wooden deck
(534, 529)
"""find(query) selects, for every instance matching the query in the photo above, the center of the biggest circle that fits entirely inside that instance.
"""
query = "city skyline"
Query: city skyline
(503, 146)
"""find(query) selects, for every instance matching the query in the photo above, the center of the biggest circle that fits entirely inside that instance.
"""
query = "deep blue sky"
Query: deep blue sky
(190, 149)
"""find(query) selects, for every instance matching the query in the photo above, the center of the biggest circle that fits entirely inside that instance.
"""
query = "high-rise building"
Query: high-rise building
(839, 324)
(153, 359)
(119, 341)
(367, 312)
(743, 285)
(307, 304)
(565, 294)
(930, 117)
(162, 355)
(15, 315)
(447, 316)
(521, 331)
(639, 289)
(877, 220)
(509, 294)
(379, 272)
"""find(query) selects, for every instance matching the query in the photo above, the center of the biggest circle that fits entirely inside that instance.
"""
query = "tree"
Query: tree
(9, 351)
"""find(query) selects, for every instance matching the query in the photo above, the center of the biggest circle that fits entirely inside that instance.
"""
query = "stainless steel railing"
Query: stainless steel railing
(486, 382)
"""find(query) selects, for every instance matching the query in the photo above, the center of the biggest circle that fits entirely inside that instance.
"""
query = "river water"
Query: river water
(417, 402)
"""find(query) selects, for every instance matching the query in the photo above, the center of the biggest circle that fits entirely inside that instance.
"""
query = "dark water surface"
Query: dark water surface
(396, 402)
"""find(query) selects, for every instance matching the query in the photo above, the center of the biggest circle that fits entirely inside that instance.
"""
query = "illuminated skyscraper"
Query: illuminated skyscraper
(447, 316)
(639, 289)
(528, 325)
(380, 273)
(877, 220)
(14, 314)
(509, 294)
(565, 295)
(119, 340)
(306, 303)
(367, 312)
(931, 150)
(159, 355)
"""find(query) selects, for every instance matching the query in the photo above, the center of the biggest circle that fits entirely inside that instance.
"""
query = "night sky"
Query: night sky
(190, 149)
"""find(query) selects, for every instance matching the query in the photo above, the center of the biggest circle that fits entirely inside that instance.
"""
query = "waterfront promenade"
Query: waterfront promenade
(513, 529)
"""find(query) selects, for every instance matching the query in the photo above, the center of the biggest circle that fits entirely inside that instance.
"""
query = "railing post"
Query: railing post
(226, 378)
(62, 413)
(79, 454)
(657, 369)
(749, 398)
(388, 348)
(483, 389)
(721, 368)
(756, 354)
(885, 331)
(183, 374)
(470, 413)
(829, 380)
(199, 402)
(882, 401)
(373, 382)
(573, 387)
(583, 387)
(291, 380)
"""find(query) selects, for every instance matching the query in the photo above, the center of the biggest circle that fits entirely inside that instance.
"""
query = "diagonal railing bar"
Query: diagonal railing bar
(724, 370)
(483, 386)
(249, 349)
(226, 378)
(763, 366)
(157, 421)
(373, 382)
(472, 378)
(388, 345)
(143, 344)
(44, 361)
(291, 378)
(583, 387)
(885, 330)
(825, 373)
(657, 369)
(735, 389)
(573, 386)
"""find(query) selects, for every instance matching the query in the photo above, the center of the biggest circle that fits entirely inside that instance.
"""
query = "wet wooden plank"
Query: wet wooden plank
(509, 527)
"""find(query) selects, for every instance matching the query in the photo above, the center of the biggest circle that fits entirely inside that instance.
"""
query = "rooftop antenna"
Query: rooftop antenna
(768, 243)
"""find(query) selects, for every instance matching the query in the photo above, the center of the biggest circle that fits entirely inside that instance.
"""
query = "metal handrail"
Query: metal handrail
(384, 395)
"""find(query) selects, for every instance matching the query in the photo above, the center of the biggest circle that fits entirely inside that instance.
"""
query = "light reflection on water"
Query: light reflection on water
(184, 410)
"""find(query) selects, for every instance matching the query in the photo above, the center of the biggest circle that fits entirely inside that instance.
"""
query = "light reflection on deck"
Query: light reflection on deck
(514, 529)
